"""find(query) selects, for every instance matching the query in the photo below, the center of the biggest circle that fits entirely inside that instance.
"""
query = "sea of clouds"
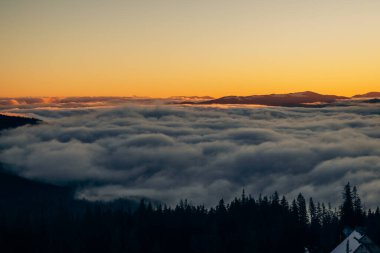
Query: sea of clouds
(169, 152)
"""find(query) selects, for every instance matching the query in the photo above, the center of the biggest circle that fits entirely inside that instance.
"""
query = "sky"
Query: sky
(171, 47)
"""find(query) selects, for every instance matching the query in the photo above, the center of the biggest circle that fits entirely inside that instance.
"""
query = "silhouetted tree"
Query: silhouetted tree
(284, 203)
(357, 206)
(313, 212)
(302, 211)
(244, 225)
(347, 213)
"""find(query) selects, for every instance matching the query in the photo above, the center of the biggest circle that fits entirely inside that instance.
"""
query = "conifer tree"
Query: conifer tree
(357, 204)
(294, 209)
(221, 208)
(312, 211)
(275, 199)
(347, 213)
(284, 203)
(302, 211)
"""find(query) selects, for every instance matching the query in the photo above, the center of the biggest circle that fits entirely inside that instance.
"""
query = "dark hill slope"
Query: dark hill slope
(15, 121)
(17, 193)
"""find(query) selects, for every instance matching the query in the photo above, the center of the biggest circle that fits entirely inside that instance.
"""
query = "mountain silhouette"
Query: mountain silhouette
(290, 99)
(368, 95)
(7, 121)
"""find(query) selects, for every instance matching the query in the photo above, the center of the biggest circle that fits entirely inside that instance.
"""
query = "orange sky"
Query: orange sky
(162, 48)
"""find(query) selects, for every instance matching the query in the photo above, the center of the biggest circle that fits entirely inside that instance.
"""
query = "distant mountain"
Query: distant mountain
(290, 99)
(368, 95)
(16, 121)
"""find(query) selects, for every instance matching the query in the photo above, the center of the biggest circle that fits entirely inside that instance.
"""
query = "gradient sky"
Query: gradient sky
(189, 47)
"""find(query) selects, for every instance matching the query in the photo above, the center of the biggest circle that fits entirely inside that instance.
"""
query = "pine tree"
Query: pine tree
(312, 211)
(347, 213)
(284, 203)
(302, 211)
(294, 209)
(221, 208)
(357, 204)
(275, 199)
(243, 197)
(319, 213)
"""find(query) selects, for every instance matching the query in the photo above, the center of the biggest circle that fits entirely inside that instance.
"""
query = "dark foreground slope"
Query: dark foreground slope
(40, 217)
(264, 225)
(17, 193)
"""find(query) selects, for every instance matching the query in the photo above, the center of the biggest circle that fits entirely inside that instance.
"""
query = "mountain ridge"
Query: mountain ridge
(286, 99)
(372, 94)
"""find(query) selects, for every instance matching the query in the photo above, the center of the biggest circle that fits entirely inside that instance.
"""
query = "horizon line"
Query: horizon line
(174, 96)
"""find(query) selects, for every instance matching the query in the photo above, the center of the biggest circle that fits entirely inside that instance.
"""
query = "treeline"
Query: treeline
(263, 225)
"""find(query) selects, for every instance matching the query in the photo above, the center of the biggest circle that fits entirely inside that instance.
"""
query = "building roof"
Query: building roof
(355, 241)
(351, 242)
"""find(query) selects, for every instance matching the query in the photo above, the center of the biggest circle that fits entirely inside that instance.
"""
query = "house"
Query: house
(356, 243)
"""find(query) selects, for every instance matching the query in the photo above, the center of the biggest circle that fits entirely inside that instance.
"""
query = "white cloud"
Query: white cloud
(200, 153)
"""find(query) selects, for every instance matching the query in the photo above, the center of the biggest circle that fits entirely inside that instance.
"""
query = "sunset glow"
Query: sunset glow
(141, 126)
(166, 48)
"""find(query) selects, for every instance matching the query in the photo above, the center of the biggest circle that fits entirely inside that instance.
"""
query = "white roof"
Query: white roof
(353, 243)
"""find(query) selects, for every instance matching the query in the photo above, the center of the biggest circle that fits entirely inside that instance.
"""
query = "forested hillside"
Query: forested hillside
(266, 224)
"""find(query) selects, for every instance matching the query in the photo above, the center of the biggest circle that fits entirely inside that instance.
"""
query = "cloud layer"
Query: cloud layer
(201, 153)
